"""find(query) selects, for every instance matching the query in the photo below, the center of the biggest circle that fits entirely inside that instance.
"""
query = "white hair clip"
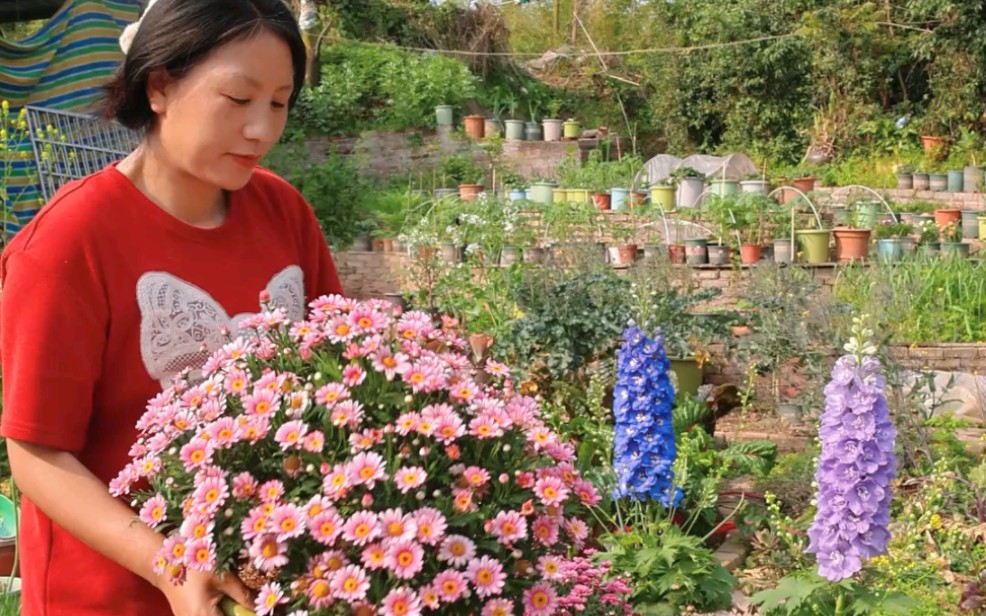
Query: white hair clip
(127, 38)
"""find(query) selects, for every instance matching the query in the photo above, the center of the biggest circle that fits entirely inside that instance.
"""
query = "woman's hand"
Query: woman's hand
(201, 593)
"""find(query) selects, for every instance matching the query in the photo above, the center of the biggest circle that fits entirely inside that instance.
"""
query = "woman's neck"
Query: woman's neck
(175, 191)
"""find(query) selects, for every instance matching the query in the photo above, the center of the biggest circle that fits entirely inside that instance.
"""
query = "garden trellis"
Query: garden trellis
(69, 145)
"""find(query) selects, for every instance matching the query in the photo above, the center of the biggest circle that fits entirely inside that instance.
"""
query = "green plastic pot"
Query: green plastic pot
(579, 195)
(543, 192)
(723, 188)
(814, 244)
(514, 130)
(982, 227)
(444, 115)
(867, 214)
(689, 375)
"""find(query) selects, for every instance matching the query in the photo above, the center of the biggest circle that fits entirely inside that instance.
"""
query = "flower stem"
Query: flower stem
(838, 602)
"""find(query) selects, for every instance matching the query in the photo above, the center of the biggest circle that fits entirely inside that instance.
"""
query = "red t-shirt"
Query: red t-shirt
(105, 297)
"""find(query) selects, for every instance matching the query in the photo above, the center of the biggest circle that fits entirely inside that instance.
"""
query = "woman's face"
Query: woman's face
(218, 121)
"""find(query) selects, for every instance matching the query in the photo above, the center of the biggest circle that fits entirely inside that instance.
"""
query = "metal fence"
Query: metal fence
(69, 145)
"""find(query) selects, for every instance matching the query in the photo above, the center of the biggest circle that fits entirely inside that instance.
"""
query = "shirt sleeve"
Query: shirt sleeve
(53, 326)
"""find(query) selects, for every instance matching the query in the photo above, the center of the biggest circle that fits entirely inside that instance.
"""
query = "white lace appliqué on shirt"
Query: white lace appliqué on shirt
(178, 319)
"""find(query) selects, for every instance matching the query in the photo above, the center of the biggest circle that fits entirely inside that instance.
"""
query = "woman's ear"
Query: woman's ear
(158, 88)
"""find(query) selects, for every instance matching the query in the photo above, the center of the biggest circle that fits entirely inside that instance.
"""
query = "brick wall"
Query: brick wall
(962, 200)
(385, 154)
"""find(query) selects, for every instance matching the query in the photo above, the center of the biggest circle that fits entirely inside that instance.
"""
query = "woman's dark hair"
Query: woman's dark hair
(175, 35)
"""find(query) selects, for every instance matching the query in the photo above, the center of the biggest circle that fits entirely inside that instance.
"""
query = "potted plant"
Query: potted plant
(691, 185)
(813, 240)
(756, 183)
(929, 234)
(932, 128)
(624, 235)
(890, 239)
(553, 126)
(944, 216)
(951, 240)
(905, 176)
(780, 222)
(852, 243)
(750, 217)
(662, 193)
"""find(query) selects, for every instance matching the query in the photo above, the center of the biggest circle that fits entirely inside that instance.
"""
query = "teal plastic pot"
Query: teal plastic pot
(938, 182)
(920, 181)
(618, 199)
(543, 192)
(723, 188)
(517, 194)
(954, 249)
(955, 181)
(970, 224)
(532, 131)
(890, 249)
(514, 130)
(444, 115)
(696, 252)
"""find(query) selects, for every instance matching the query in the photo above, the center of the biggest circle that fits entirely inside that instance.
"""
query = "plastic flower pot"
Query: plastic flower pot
(445, 193)
(696, 252)
(689, 375)
(689, 191)
(805, 185)
(946, 216)
(972, 179)
(970, 224)
(444, 115)
(722, 188)
(517, 194)
(579, 195)
(627, 253)
(758, 187)
(749, 254)
(653, 251)
(790, 414)
(514, 130)
(676, 252)
(938, 182)
(921, 181)
(362, 243)
(931, 249)
(553, 130)
(559, 195)
(982, 227)
(891, 249)
(851, 244)
(532, 131)
(601, 200)
(450, 252)
(474, 126)
(572, 129)
(840, 215)
(637, 198)
(543, 192)
(814, 244)
(955, 180)
(509, 255)
(718, 254)
(618, 199)
(663, 196)
(469, 192)
(783, 251)
(955, 249)
(905, 181)
(492, 128)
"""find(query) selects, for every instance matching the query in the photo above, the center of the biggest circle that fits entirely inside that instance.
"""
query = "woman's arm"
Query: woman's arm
(58, 484)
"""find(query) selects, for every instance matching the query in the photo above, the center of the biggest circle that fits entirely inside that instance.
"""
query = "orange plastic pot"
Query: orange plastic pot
(749, 254)
(851, 244)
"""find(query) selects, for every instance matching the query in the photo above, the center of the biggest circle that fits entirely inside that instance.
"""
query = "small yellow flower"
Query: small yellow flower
(5, 105)
(935, 521)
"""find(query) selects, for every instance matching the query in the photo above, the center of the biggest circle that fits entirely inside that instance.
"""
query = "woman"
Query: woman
(137, 272)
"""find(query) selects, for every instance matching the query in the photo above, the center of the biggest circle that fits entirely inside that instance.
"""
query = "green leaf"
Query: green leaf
(751, 457)
(789, 594)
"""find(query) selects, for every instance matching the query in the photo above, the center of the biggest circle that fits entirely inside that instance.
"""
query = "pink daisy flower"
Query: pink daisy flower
(450, 585)
(196, 526)
(545, 530)
(210, 495)
(196, 454)
(319, 595)
(201, 555)
(236, 382)
(331, 394)
(269, 597)
(487, 576)
(431, 525)
(374, 556)
(405, 558)
(336, 482)
(484, 427)
(350, 583)
(256, 523)
(401, 601)
(449, 428)
(314, 442)
(325, 527)
(577, 529)
(495, 368)
(464, 391)
(361, 441)
(268, 553)
(414, 324)
(406, 423)
(475, 476)
(244, 486)
(353, 375)
(551, 490)
(338, 330)
(301, 330)
(154, 511)
(347, 413)
(540, 600)
(509, 526)
(222, 432)
(457, 550)
(288, 522)
(586, 492)
(290, 434)
(252, 428)
(271, 491)
(366, 468)
(361, 528)
(262, 402)
(397, 525)
(297, 403)
(409, 477)
(429, 596)
(551, 568)
(462, 500)
(390, 364)
(498, 607)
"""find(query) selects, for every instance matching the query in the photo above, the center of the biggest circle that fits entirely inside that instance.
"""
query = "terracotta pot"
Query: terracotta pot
(468, 192)
(637, 199)
(805, 185)
(627, 253)
(376, 245)
(749, 254)
(475, 126)
(937, 147)
(851, 244)
(601, 200)
(677, 253)
(741, 330)
(945, 216)
(426, 253)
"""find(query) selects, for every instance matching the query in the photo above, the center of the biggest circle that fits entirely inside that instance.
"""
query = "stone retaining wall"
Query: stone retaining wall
(962, 200)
